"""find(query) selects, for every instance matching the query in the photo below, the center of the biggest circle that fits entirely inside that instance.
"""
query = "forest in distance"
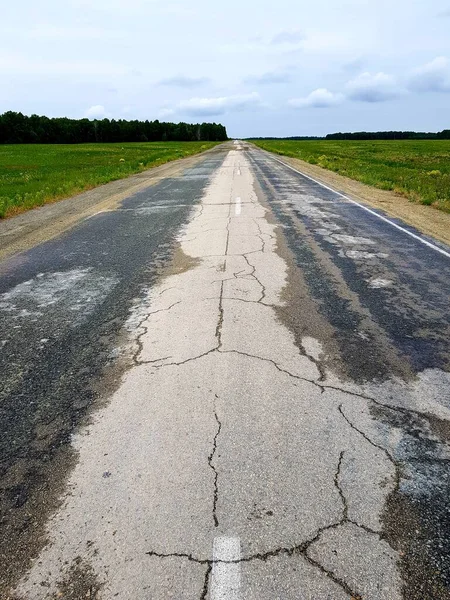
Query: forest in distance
(16, 128)
(369, 135)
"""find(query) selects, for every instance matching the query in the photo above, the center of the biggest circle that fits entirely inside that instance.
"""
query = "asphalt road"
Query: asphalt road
(233, 384)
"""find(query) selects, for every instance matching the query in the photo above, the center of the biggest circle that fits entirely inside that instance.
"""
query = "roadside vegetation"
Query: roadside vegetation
(416, 169)
(34, 174)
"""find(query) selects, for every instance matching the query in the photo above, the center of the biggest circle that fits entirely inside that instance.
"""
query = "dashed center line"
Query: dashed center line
(226, 576)
(237, 208)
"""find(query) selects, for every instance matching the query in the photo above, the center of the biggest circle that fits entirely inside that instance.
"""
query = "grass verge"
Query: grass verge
(416, 169)
(33, 174)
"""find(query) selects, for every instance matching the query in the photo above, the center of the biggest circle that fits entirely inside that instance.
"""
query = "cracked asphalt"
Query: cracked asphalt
(233, 385)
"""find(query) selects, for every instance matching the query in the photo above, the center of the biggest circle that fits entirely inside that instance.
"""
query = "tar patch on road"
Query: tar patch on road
(417, 517)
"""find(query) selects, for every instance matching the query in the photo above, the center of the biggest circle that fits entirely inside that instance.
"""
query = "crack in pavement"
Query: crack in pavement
(218, 333)
(174, 287)
(263, 249)
(177, 364)
(302, 548)
(252, 274)
(299, 549)
(236, 275)
(275, 364)
(339, 489)
(248, 301)
(318, 383)
(401, 409)
(210, 462)
(204, 593)
(375, 445)
(200, 212)
(261, 235)
(345, 517)
(163, 309)
(138, 339)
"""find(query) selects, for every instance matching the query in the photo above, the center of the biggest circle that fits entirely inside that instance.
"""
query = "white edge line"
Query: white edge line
(369, 210)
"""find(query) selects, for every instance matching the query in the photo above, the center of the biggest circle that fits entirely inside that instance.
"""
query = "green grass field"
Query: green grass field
(33, 174)
(417, 169)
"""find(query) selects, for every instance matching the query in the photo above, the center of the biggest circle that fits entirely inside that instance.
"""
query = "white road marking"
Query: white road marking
(238, 206)
(369, 210)
(226, 576)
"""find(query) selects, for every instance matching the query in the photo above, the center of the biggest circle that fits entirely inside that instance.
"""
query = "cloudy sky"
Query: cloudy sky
(290, 67)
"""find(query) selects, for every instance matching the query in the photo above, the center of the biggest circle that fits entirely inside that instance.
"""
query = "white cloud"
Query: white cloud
(281, 43)
(372, 88)
(178, 10)
(291, 42)
(48, 32)
(182, 81)
(269, 78)
(432, 77)
(354, 65)
(166, 112)
(328, 42)
(52, 32)
(96, 112)
(287, 37)
(320, 98)
(30, 65)
(218, 106)
(112, 6)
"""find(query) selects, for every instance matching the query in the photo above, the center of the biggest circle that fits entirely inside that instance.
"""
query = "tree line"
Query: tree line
(369, 135)
(16, 128)
(294, 138)
(390, 135)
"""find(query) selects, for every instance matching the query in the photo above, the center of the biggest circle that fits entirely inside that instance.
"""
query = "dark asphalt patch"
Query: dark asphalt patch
(413, 313)
(417, 516)
(360, 358)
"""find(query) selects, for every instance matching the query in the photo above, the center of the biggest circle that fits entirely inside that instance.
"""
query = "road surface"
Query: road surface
(232, 384)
